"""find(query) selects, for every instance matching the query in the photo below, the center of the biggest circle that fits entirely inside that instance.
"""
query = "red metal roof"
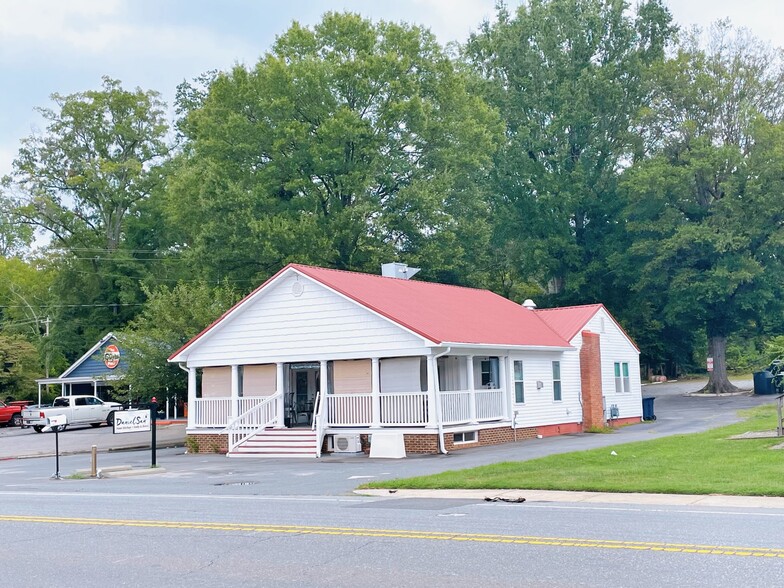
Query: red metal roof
(567, 321)
(438, 312)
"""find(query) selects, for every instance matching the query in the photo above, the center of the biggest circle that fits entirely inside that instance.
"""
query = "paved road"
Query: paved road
(208, 520)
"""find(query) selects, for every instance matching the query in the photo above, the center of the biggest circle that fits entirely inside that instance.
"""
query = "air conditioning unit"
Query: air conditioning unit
(345, 444)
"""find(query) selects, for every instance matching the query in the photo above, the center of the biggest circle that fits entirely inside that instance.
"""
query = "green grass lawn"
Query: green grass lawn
(701, 463)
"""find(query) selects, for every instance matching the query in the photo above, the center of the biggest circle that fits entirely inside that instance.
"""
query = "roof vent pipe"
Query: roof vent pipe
(398, 270)
(529, 304)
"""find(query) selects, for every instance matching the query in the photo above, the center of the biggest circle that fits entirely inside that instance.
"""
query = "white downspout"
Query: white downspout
(439, 420)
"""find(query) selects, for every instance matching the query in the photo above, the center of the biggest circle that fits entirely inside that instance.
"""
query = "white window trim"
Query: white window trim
(559, 380)
(520, 381)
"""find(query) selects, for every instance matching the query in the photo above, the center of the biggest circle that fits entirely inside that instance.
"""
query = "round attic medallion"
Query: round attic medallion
(297, 288)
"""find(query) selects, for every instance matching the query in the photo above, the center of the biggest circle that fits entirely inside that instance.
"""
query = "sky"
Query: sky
(66, 46)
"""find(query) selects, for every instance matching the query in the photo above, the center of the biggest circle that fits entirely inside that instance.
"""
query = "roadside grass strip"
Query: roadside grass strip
(699, 463)
(765, 552)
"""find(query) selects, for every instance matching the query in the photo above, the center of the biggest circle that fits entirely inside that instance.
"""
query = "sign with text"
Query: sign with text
(710, 364)
(131, 421)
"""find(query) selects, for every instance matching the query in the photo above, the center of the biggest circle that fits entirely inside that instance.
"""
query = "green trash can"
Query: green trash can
(763, 382)
(647, 409)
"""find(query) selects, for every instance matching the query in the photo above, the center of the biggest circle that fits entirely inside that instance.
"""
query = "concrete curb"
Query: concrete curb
(708, 500)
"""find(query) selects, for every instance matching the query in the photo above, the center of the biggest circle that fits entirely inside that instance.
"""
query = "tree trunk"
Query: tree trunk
(718, 382)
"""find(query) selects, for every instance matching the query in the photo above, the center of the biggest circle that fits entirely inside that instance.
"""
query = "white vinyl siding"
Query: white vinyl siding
(616, 348)
(539, 408)
(319, 323)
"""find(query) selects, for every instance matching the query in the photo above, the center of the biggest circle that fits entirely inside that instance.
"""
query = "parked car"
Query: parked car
(11, 413)
(78, 410)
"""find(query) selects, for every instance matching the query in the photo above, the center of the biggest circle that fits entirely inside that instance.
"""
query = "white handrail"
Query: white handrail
(256, 418)
(318, 422)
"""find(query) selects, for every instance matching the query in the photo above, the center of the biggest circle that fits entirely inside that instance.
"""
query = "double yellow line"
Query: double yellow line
(410, 534)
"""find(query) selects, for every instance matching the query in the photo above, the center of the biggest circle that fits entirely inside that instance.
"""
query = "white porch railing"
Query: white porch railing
(455, 407)
(489, 404)
(211, 412)
(407, 409)
(404, 408)
(263, 413)
(349, 409)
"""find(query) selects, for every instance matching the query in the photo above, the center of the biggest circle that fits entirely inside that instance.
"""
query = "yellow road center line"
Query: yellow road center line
(410, 534)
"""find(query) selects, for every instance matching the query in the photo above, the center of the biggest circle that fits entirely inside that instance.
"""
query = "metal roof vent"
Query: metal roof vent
(398, 270)
(529, 304)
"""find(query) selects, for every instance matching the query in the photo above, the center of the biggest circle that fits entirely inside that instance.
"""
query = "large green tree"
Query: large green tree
(705, 214)
(569, 78)
(348, 144)
(170, 318)
(82, 180)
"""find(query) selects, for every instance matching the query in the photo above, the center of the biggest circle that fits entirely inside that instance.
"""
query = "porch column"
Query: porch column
(375, 391)
(191, 397)
(324, 382)
(471, 389)
(280, 393)
(508, 385)
(432, 386)
(235, 393)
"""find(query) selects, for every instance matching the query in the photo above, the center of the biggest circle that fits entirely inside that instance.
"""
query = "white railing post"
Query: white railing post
(471, 389)
(235, 393)
(432, 375)
(191, 397)
(375, 391)
(279, 392)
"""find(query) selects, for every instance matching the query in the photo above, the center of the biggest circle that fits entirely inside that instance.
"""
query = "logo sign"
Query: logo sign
(131, 421)
(710, 364)
(111, 357)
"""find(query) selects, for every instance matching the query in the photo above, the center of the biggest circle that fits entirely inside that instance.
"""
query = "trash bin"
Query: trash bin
(763, 382)
(647, 409)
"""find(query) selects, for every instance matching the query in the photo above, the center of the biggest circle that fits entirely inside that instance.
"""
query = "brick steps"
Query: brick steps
(278, 443)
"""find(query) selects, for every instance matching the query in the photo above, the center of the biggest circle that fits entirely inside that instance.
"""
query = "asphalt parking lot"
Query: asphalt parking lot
(16, 442)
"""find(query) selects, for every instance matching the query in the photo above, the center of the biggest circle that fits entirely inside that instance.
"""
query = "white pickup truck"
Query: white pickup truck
(78, 410)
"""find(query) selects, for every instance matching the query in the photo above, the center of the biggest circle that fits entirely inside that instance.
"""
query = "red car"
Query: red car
(11, 413)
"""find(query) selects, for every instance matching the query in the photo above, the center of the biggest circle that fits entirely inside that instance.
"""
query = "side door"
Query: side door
(81, 410)
(98, 410)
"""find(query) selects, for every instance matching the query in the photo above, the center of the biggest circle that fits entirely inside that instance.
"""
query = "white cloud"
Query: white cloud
(101, 29)
(453, 20)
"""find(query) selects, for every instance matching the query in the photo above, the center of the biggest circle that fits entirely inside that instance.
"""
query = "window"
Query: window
(557, 381)
(465, 437)
(621, 377)
(518, 382)
(489, 371)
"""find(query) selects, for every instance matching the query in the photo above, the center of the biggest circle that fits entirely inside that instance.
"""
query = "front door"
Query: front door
(304, 385)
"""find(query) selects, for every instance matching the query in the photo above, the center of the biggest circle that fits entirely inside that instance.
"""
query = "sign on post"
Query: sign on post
(710, 364)
(131, 421)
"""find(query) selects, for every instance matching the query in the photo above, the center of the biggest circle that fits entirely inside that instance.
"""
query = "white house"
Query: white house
(318, 359)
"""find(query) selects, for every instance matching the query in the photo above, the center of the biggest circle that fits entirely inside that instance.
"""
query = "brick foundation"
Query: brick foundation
(622, 422)
(561, 429)
(207, 443)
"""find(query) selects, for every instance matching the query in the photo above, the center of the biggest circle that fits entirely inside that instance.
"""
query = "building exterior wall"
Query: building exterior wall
(259, 380)
(279, 325)
(540, 407)
(616, 347)
(216, 382)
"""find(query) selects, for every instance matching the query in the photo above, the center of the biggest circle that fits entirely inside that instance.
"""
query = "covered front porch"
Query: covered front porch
(416, 393)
